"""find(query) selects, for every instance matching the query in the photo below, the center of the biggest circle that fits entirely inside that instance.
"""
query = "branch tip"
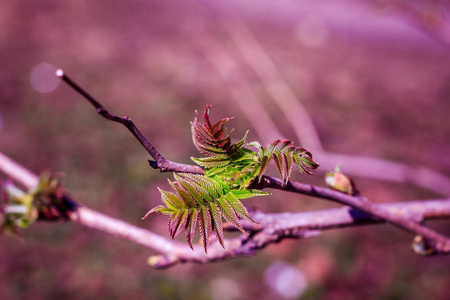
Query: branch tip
(59, 73)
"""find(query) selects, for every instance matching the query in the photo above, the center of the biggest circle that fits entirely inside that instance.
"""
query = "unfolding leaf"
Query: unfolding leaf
(248, 193)
(230, 169)
(217, 221)
(205, 225)
(212, 161)
(229, 213)
(283, 153)
(213, 140)
(238, 207)
(203, 200)
(190, 226)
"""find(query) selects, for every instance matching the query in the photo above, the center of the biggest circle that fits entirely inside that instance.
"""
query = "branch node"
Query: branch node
(153, 164)
(101, 110)
(161, 261)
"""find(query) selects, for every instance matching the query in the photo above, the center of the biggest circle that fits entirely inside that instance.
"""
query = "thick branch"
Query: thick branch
(161, 163)
(272, 228)
(96, 220)
(91, 218)
(440, 243)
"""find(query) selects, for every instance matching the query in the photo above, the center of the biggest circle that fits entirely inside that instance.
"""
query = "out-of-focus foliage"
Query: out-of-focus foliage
(17, 210)
(48, 201)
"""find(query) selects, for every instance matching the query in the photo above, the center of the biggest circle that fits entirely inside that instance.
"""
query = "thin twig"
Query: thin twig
(161, 163)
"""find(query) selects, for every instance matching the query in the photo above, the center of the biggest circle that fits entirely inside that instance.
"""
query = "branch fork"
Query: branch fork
(272, 228)
(439, 243)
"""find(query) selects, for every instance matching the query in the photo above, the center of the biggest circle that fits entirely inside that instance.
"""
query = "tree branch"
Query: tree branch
(91, 218)
(161, 163)
(173, 251)
(440, 243)
(283, 95)
(271, 228)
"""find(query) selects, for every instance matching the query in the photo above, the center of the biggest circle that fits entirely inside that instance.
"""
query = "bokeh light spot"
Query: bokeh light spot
(43, 79)
(285, 280)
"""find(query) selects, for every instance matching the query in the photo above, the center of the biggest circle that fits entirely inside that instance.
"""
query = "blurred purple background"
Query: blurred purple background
(372, 76)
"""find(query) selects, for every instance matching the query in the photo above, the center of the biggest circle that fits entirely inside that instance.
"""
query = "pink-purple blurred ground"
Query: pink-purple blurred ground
(372, 80)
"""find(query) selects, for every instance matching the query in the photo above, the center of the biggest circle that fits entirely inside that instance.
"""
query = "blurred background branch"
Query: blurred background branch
(290, 105)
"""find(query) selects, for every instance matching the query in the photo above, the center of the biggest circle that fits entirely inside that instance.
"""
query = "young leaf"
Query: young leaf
(203, 200)
(230, 169)
(212, 161)
(190, 226)
(205, 226)
(213, 140)
(283, 153)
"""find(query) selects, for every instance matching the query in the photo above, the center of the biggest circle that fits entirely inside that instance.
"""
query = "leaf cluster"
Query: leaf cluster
(203, 200)
(240, 166)
(284, 154)
(17, 210)
(230, 169)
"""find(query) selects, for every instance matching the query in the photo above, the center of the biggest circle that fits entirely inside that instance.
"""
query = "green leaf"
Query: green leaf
(283, 153)
(212, 161)
(171, 200)
(263, 166)
(210, 200)
(190, 226)
(163, 210)
(238, 207)
(255, 144)
(247, 193)
(230, 169)
(210, 185)
(183, 195)
(229, 213)
(217, 221)
(234, 148)
(205, 226)
(190, 188)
